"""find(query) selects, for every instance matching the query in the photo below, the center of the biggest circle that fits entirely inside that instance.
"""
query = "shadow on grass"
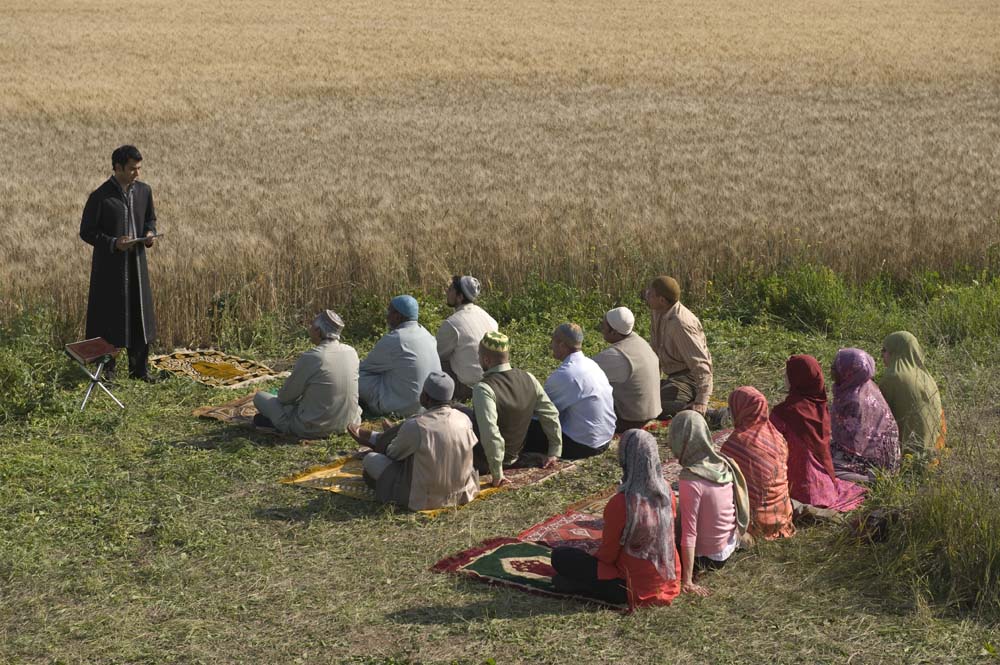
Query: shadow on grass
(517, 606)
(232, 438)
(328, 507)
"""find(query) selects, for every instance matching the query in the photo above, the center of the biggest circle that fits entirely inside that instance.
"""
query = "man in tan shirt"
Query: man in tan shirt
(679, 342)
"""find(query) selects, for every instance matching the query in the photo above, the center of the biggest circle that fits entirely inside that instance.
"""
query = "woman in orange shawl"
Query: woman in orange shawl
(762, 454)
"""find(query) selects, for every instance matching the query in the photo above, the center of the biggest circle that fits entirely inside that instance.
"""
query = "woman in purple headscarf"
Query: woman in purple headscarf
(863, 435)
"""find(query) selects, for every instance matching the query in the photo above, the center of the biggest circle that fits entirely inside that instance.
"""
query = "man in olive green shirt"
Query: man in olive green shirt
(512, 412)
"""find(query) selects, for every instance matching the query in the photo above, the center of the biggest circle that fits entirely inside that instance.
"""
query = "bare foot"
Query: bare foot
(362, 436)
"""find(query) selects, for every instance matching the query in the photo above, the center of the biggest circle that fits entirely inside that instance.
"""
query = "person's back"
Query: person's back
(708, 518)
(637, 395)
(395, 370)
(581, 392)
(443, 474)
(516, 397)
(329, 402)
(762, 455)
(913, 396)
(468, 324)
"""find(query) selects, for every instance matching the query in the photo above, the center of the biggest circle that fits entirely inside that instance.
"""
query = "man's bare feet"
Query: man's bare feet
(362, 436)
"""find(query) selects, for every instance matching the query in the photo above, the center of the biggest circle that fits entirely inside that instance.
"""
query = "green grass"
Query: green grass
(148, 536)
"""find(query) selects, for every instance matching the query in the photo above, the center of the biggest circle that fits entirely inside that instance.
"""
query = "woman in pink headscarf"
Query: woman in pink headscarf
(762, 454)
(804, 420)
(864, 435)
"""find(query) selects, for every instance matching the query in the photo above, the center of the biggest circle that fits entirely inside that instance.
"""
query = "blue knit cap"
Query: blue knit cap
(407, 306)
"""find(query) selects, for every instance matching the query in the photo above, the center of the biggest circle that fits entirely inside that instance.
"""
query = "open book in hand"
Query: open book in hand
(136, 241)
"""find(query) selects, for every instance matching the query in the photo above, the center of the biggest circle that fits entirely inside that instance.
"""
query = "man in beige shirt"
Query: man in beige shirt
(679, 342)
(428, 463)
(459, 335)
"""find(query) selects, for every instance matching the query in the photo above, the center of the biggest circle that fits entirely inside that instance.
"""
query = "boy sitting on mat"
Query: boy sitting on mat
(425, 463)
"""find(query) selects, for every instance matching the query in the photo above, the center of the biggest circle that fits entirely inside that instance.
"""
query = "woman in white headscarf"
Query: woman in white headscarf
(637, 561)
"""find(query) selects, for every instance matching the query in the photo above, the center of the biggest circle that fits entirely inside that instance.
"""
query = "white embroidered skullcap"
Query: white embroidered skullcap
(470, 287)
(621, 319)
(329, 323)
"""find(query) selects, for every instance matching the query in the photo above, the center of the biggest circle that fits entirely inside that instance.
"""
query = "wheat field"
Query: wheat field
(303, 152)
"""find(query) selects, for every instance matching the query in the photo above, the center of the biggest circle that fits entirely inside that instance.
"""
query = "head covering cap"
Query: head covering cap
(496, 341)
(439, 387)
(329, 323)
(667, 287)
(621, 319)
(407, 306)
(470, 287)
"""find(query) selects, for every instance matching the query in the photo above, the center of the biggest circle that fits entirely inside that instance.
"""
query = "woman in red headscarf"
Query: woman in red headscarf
(762, 454)
(804, 420)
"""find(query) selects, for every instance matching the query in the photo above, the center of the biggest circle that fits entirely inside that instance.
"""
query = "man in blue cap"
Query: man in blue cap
(392, 376)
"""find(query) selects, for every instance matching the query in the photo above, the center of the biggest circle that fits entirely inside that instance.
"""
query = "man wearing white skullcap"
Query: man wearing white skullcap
(425, 463)
(459, 335)
(632, 368)
(321, 395)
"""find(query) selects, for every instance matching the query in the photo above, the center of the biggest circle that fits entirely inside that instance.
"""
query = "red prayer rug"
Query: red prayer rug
(571, 529)
(512, 563)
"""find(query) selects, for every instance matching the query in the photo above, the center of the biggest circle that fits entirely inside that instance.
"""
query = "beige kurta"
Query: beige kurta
(321, 395)
(634, 373)
(458, 341)
(679, 342)
(436, 449)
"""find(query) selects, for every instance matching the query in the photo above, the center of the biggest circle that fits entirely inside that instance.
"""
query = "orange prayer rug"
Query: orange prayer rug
(214, 368)
(344, 476)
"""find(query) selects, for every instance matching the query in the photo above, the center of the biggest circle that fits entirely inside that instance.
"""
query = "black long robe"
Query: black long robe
(105, 217)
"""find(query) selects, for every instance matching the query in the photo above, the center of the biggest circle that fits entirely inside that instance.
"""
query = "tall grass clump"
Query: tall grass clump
(944, 544)
(31, 368)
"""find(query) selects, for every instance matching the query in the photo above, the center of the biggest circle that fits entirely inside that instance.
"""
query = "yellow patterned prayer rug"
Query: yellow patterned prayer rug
(214, 368)
(343, 476)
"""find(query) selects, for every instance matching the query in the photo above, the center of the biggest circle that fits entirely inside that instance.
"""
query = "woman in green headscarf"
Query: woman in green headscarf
(913, 396)
(714, 507)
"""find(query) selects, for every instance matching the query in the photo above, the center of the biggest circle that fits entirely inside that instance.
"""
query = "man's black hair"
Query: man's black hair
(123, 154)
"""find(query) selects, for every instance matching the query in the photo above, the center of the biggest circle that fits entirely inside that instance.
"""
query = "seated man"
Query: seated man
(391, 376)
(427, 464)
(504, 404)
(459, 335)
(632, 368)
(321, 395)
(581, 392)
(679, 342)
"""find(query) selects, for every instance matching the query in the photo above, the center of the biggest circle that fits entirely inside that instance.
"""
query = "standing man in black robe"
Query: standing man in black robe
(119, 221)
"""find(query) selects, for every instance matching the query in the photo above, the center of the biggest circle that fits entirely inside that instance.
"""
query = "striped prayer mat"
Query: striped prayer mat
(512, 563)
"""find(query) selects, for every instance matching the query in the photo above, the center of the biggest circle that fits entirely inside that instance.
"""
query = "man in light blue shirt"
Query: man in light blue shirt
(393, 374)
(580, 390)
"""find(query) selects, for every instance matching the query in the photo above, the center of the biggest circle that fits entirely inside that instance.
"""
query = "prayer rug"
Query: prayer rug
(344, 476)
(237, 412)
(572, 528)
(511, 563)
(214, 368)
